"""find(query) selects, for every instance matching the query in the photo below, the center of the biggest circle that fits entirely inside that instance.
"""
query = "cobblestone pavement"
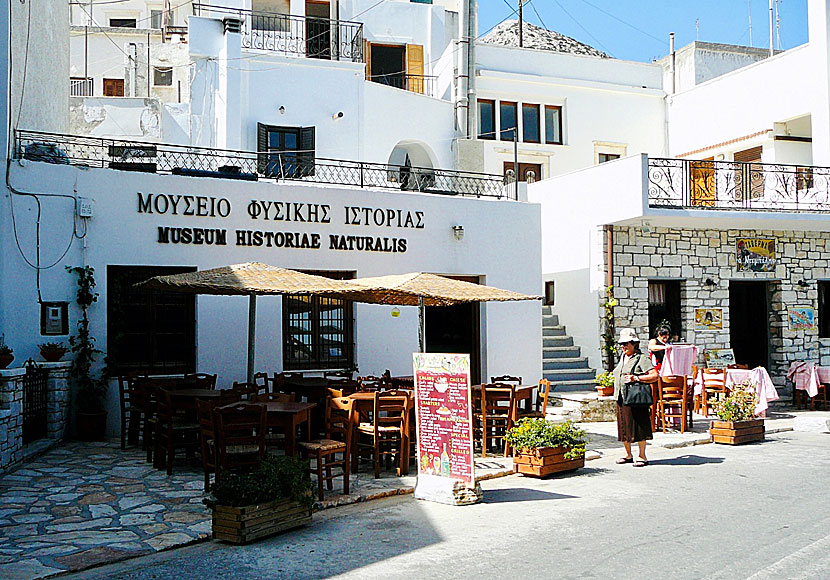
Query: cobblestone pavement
(84, 504)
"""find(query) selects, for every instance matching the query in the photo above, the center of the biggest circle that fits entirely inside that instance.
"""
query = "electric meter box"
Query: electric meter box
(54, 318)
(84, 207)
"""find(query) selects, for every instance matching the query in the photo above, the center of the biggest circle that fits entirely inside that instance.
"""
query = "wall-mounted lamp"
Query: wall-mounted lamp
(458, 232)
(802, 284)
(709, 282)
(645, 227)
(282, 109)
(337, 115)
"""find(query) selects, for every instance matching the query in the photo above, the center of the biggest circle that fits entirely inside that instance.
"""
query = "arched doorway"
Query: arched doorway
(412, 164)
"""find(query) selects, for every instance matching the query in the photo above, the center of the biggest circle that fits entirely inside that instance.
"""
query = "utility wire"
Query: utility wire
(618, 19)
(582, 27)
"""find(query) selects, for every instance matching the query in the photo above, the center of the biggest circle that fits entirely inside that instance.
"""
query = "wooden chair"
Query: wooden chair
(247, 391)
(131, 399)
(371, 383)
(673, 400)
(240, 436)
(345, 387)
(540, 405)
(263, 382)
(336, 375)
(338, 439)
(714, 386)
(149, 400)
(201, 381)
(207, 434)
(174, 431)
(737, 366)
(385, 431)
(507, 380)
(498, 411)
(274, 397)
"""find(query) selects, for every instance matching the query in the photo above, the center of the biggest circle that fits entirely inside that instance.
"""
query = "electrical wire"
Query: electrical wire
(618, 19)
(539, 16)
(585, 30)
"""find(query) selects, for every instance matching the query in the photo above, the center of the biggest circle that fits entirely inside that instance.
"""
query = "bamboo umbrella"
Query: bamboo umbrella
(250, 279)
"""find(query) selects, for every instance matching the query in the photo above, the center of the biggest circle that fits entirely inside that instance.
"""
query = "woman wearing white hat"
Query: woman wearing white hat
(633, 411)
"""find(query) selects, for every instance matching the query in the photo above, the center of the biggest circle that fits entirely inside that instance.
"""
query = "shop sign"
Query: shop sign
(755, 254)
(444, 416)
(802, 318)
(719, 358)
(708, 318)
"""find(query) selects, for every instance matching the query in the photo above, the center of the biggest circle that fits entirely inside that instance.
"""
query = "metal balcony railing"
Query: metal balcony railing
(422, 84)
(251, 165)
(699, 184)
(289, 34)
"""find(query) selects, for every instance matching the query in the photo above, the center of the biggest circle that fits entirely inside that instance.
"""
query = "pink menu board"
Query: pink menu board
(444, 413)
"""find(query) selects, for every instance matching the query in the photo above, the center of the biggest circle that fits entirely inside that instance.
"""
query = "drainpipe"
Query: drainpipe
(133, 57)
(462, 68)
(771, 28)
(673, 63)
(609, 244)
(472, 117)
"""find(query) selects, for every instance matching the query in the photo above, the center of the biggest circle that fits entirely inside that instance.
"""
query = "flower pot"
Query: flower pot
(737, 432)
(604, 391)
(241, 525)
(52, 355)
(91, 425)
(544, 461)
(6, 360)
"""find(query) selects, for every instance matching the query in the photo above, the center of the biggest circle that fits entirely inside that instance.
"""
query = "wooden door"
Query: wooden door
(703, 182)
(113, 87)
(526, 170)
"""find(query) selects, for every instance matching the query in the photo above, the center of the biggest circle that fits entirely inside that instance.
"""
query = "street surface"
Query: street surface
(759, 511)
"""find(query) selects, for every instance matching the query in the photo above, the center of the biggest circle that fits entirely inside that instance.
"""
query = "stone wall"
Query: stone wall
(693, 255)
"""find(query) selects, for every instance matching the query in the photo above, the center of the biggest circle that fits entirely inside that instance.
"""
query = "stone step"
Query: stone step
(554, 330)
(558, 340)
(547, 309)
(581, 406)
(564, 375)
(550, 319)
(555, 351)
(557, 385)
(561, 362)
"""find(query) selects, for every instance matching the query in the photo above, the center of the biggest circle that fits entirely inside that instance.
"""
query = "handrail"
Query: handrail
(252, 165)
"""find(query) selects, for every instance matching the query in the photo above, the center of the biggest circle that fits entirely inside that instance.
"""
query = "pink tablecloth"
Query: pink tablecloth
(807, 376)
(758, 376)
(678, 360)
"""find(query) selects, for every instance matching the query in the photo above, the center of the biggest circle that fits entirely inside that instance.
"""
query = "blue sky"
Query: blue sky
(639, 29)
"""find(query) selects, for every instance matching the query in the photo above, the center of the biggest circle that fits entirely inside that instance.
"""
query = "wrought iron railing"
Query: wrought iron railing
(251, 165)
(699, 184)
(307, 36)
(423, 84)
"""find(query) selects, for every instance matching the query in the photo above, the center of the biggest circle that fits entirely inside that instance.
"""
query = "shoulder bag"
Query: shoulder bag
(637, 394)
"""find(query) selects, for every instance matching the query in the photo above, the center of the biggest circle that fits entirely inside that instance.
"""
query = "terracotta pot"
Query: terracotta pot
(52, 355)
(6, 360)
(91, 425)
(605, 391)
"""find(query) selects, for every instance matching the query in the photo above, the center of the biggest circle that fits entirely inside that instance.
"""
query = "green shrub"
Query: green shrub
(279, 477)
(537, 433)
(739, 405)
(605, 379)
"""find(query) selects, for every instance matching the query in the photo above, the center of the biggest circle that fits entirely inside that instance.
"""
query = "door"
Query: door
(318, 29)
(387, 64)
(113, 87)
(528, 172)
(749, 322)
(456, 329)
(703, 182)
(664, 308)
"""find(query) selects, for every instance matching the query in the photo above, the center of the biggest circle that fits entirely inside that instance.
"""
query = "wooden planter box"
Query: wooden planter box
(240, 525)
(544, 461)
(737, 432)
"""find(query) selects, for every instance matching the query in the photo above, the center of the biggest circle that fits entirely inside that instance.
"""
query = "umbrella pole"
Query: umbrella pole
(422, 333)
(251, 336)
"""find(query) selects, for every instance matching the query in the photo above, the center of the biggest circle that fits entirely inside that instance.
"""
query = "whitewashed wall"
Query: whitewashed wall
(499, 244)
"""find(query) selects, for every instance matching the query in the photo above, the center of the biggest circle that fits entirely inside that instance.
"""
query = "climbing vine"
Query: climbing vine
(90, 387)
(609, 341)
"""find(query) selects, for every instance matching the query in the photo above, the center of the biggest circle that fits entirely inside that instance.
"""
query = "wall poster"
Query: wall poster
(755, 254)
(719, 358)
(444, 416)
(708, 318)
(802, 318)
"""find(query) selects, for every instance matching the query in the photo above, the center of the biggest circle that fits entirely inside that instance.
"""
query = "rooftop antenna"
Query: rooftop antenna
(771, 28)
(777, 24)
(521, 23)
(749, 2)
(697, 29)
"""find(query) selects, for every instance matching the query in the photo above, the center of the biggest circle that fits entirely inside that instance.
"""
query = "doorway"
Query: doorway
(528, 172)
(388, 64)
(456, 329)
(318, 29)
(749, 322)
(664, 308)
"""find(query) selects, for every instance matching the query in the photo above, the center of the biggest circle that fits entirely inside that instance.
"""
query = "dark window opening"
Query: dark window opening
(553, 125)
(163, 76)
(749, 322)
(824, 309)
(664, 308)
(606, 157)
(318, 333)
(388, 65)
(530, 123)
(123, 22)
(149, 331)
(285, 152)
(509, 121)
(456, 329)
(486, 119)
(318, 30)
(550, 293)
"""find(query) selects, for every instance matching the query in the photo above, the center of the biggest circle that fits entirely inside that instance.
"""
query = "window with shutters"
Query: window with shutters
(285, 152)
(750, 178)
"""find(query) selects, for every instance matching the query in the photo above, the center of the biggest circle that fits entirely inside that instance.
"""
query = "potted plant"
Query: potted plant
(736, 423)
(6, 354)
(52, 351)
(605, 384)
(541, 448)
(275, 497)
(90, 387)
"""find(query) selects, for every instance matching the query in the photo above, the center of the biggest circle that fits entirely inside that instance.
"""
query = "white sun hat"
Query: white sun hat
(628, 335)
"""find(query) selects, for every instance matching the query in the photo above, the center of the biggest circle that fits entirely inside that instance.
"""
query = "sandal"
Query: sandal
(623, 460)
(641, 463)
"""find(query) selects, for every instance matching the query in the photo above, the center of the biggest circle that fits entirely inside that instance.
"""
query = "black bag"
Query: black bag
(637, 394)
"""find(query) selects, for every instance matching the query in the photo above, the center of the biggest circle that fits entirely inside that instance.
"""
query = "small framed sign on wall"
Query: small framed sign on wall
(708, 318)
(802, 318)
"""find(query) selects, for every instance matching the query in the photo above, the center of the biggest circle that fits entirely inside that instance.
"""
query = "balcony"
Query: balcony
(731, 185)
(421, 84)
(251, 166)
(287, 34)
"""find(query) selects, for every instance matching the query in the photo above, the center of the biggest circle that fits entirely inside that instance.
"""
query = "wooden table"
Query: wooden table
(363, 403)
(315, 390)
(523, 393)
(287, 417)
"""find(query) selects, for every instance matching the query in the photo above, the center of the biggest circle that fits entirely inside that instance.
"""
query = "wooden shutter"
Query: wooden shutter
(307, 153)
(367, 56)
(752, 155)
(262, 148)
(415, 68)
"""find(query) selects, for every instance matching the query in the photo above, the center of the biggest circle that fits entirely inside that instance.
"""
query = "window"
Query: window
(606, 157)
(80, 87)
(550, 292)
(553, 125)
(664, 307)
(149, 331)
(286, 152)
(155, 18)
(163, 76)
(509, 121)
(113, 87)
(318, 333)
(530, 123)
(823, 309)
(486, 119)
(123, 22)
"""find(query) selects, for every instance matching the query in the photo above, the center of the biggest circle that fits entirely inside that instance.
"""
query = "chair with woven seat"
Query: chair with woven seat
(498, 412)
(507, 380)
(540, 404)
(714, 387)
(201, 381)
(175, 430)
(371, 383)
(207, 430)
(131, 399)
(673, 401)
(338, 439)
(344, 387)
(386, 429)
(240, 437)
